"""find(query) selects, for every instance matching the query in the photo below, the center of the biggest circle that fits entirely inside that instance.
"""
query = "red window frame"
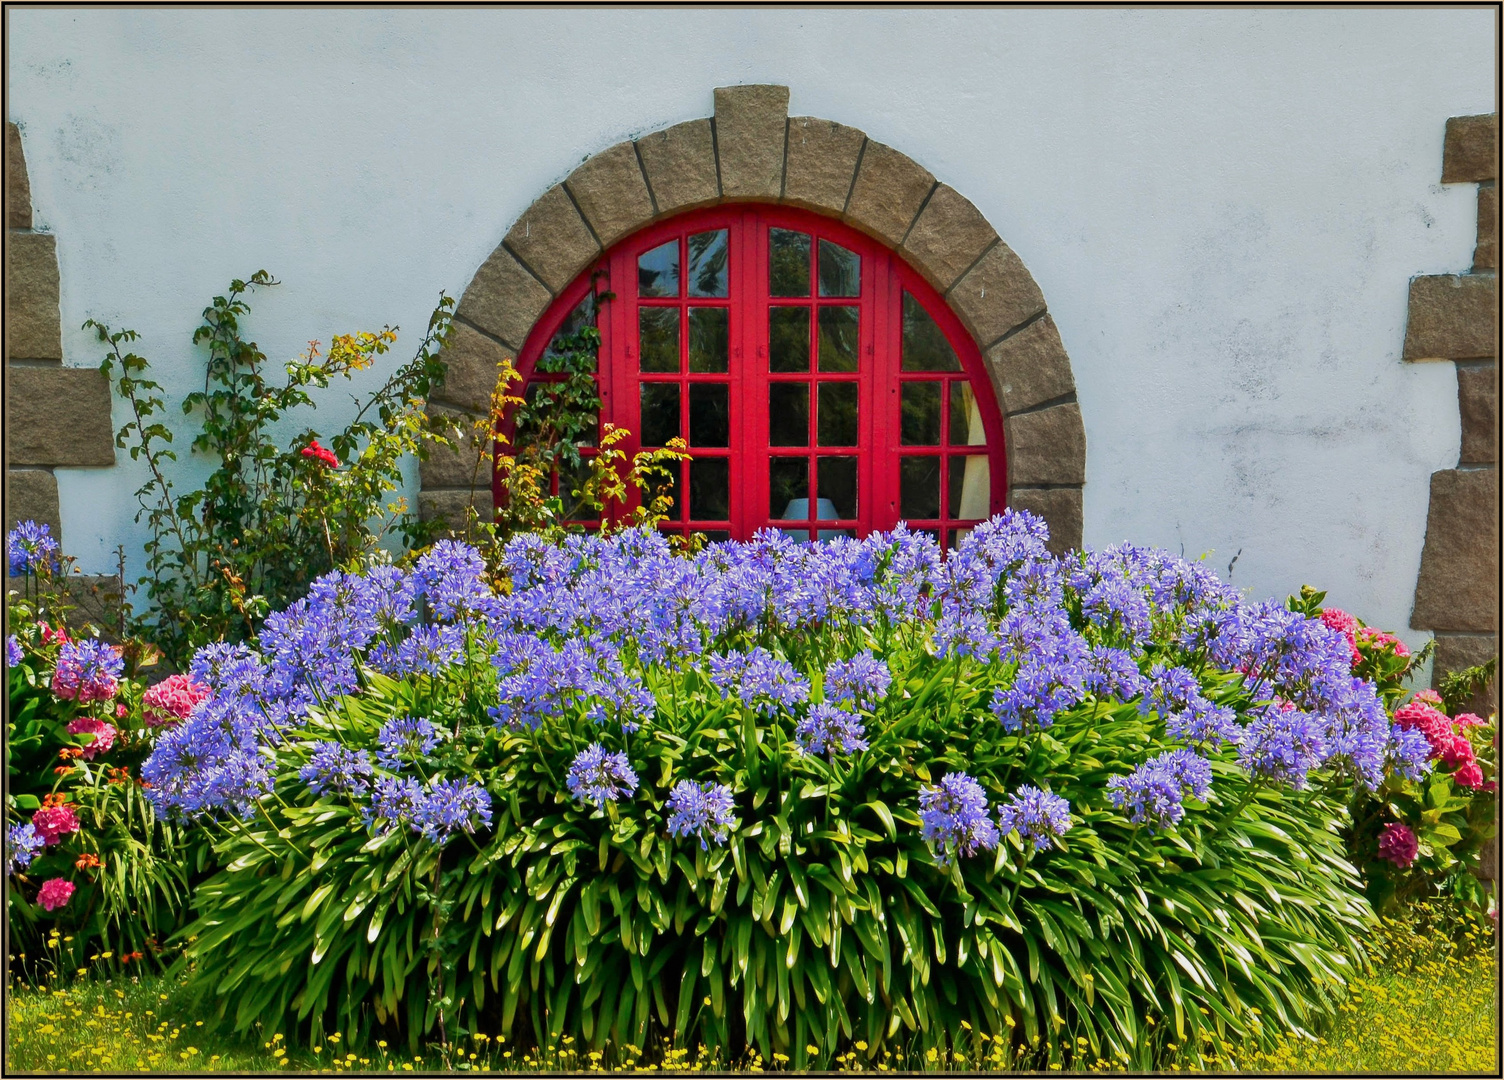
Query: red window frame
(884, 278)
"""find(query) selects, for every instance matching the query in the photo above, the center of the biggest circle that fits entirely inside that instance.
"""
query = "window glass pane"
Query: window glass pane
(707, 263)
(660, 413)
(570, 480)
(708, 334)
(709, 414)
(836, 484)
(788, 263)
(970, 487)
(788, 488)
(658, 331)
(710, 489)
(788, 414)
(965, 416)
(924, 344)
(838, 338)
(583, 312)
(715, 536)
(788, 339)
(918, 488)
(840, 271)
(837, 419)
(539, 396)
(676, 491)
(658, 271)
(955, 536)
(920, 421)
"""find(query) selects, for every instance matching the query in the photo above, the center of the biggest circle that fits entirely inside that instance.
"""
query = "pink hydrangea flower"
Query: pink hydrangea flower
(1428, 697)
(172, 700)
(55, 893)
(1467, 720)
(1398, 844)
(1469, 776)
(1370, 636)
(1341, 621)
(104, 735)
(1433, 723)
(54, 822)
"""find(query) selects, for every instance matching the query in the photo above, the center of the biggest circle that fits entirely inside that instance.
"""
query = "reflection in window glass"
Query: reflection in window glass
(836, 481)
(970, 487)
(571, 479)
(840, 271)
(788, 263)
(709, 330)
(715, 536)
(658, 333)
(924, 344)
(583, 313)
(965, 416)
(710, 489)
(658, 271)
(836, 422)
(838, 338)
(676, 491)
(788, 414)
(919, 423)
(709, 414)
(707, 263)
(660, 413)
(918, 487)
(788, 339)
(788, 482)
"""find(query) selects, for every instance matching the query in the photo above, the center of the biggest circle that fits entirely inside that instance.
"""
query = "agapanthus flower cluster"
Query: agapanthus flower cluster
(860, 682)
(103, 735)
(761, 680)
(435, 812)
(22, 842)
(704, 811)
(334, 767)
(88, 671)
(30, 548)
(1398, 844)
(171, 700)
(1037, 815)
(13, 654)
(405, 739)
(954, 818)
(1153, 793)
(599, 777)
(828, 729)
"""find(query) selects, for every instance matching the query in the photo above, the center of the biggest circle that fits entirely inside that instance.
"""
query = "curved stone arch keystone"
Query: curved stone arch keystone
(752, 150)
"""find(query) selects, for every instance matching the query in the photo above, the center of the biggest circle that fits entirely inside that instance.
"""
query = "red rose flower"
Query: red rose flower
(314, 450)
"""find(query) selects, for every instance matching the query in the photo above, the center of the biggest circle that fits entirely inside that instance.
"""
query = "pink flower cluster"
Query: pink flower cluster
(1448, 737)
(172, 700)
(104, 735)
(1356, 634)
(54, 822)
(55, 893)
(1398, 844)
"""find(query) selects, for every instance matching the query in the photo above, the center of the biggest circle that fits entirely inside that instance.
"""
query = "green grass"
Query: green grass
(1429, 1008)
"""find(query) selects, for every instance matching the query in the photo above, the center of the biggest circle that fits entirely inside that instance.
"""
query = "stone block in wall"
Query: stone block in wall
(33, 328)
(1452, 317)
(948, 236)
(471, 360)
(1047, 446)
(1031, 367)
(996, 295)
(612, 193)
(454, 468)
(450, 506)
(680, 166)
(1486, 254)
(1471, 150)
(1478, 401)
(58, 416)
(822, 158)
(1456, 652)
(552, 239)
(31, 495)
(503, 299)
(750, 124)
(1458, 587)
(1060, 508)
(18, 186)
(889, 190)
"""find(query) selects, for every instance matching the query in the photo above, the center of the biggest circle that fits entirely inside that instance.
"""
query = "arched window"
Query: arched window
(822, 385)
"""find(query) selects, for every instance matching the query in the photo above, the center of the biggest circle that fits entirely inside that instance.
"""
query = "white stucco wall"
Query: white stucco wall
(1222, 207)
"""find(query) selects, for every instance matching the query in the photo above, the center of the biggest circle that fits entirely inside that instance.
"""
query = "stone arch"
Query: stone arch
(752, 150)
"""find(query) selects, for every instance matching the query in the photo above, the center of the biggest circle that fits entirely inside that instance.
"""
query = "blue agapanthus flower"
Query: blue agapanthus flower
(30, 548)
(13, 653)
(1152, 794)
(860, 682)
(1282, 744)
(1038, 815)
(335, 767)
(599, 777)
(701, 810)
(451, 806)
(832, 730)
(406, 738)
(954, 818)
(761, 680)
(22, 842)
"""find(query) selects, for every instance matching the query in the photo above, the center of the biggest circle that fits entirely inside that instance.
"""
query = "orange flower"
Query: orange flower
(57, 798)
(68, 753)
(63, 770)
(88, 861)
